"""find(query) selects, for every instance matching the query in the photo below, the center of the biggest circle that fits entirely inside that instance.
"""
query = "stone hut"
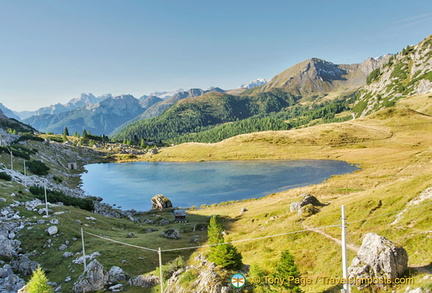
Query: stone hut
(72, 166)
(180, 216)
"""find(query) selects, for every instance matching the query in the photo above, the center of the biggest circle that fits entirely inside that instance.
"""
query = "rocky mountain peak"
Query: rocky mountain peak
(254, 83)
(404, 74)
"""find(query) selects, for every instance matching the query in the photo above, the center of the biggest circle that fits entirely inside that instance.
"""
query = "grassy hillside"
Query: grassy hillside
(200, 113)
(393, 149)
(407, 73)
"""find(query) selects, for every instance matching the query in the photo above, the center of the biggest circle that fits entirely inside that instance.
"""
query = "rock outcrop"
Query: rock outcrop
(160, 202)
(171, 233)
(9, 282)
(378, 258)
(405, 74)
(307, 205)
(94, 278)
(206, 280)
(144, 281)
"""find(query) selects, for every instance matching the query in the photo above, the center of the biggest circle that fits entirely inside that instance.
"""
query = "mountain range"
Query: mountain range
(102, 115)
(308, 85)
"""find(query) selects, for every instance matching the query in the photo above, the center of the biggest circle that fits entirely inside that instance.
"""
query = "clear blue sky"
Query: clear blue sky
(52, 51)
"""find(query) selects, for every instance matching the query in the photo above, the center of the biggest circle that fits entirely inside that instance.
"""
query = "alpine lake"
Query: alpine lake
(132, 185)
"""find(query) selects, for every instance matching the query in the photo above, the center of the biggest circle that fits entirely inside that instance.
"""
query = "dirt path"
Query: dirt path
(350, 246)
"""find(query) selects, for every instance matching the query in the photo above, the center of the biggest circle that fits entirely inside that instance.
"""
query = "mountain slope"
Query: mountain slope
(8, 112)
(159, 108)
(392, 148)
(7, 122)
(318, 78)
(100, 118)
(313, 80)
(407, 73)
(84, 99)
(196, 114)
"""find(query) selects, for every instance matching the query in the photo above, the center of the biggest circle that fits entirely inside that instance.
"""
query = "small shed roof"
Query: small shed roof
(180, 213)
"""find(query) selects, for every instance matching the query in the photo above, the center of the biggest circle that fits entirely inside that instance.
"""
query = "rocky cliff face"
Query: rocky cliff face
(159, 108)
(405, 74)
(317, 77)
(205, 279)
(99, 118)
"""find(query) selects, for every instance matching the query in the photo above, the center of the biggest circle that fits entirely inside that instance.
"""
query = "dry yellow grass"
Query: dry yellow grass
(393, 148)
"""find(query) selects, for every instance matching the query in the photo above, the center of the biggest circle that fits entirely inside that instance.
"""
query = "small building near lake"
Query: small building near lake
(72, 166)
(180, 216)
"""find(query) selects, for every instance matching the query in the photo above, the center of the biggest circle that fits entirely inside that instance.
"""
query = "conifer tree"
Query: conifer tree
(285, 269)
(39, 283)
(225, 255)
(66, 131)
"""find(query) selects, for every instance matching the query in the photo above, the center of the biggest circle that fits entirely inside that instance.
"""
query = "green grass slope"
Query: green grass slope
(393, 147)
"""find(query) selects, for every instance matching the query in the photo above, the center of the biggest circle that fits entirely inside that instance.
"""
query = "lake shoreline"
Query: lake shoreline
(204, 183)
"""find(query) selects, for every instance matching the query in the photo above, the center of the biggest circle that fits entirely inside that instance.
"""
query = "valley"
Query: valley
(376, 115)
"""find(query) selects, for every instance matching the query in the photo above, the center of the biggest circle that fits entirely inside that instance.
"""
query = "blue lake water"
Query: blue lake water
(132, 185)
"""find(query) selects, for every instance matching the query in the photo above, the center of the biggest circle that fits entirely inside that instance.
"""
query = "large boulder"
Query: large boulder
(171, 233)
(116, 274)
(308, 201)
(144, 281)
(160, 202)
(378, 258)
(94, 278)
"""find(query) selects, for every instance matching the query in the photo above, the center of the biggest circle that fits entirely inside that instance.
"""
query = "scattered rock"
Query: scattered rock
(24, 265)
(54, 222)
(80, 260)
(67, 254)
(9, 247)
(130, 235)
(171, 234)
(378, 258)
(206, 279)
(12, 283)
(194, 239)
(94, 278)
(63, 247)
(144, 281)
(160, 202)
(2, 199)
(116, 274)
(164, 222)
(148, 221)
(52, 230)
(116, 288)
(200, 227)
